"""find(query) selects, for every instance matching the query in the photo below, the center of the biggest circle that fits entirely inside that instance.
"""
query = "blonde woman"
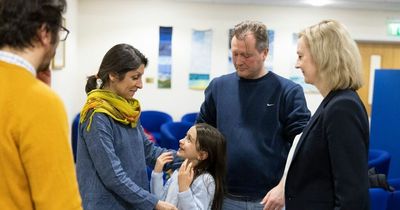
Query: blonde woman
(330, 162)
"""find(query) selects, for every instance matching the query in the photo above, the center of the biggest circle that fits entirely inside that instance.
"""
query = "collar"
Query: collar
(17, 60)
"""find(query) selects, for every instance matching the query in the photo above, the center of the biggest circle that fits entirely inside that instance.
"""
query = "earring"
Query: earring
(99, 82)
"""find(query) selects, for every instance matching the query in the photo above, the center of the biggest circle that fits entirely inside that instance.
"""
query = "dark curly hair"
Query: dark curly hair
(21, 19)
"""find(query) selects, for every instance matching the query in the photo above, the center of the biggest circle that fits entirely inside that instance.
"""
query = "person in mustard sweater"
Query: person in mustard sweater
(36, 165)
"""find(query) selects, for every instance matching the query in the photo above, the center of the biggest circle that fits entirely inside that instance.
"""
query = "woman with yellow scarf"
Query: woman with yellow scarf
(113, 150)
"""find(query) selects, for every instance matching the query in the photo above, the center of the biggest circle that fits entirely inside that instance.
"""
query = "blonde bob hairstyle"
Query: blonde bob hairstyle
(335, 54)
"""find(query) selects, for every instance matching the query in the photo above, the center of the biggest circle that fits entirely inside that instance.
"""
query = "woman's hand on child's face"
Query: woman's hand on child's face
(164, 158)
(162, 205)
(185, 176)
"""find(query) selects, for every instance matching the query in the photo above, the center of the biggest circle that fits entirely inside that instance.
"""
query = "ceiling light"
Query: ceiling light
(318, 3)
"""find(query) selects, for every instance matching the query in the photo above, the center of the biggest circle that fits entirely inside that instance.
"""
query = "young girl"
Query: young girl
(199, 182)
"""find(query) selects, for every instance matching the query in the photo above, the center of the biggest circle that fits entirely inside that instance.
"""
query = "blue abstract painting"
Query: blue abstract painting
(164, 57)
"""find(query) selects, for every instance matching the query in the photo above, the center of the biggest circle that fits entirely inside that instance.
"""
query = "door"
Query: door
(389, 53)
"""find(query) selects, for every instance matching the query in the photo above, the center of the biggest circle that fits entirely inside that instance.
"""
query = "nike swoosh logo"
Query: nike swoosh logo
(270, 104)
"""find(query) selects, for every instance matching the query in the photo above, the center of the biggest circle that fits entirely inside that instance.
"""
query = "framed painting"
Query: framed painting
(58, 61)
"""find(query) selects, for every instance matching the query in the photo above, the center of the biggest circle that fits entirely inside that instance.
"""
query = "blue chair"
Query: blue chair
(378, 198)
(74, 134)
(394, 200)
(152, 121)
(380, 159)
(149, 170)
(190, 117)
(172, 132)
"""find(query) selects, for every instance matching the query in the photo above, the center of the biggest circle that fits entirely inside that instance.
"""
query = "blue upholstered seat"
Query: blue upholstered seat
(152, 120)
(74, 134)
(380, 159)
(172, 132)
(378, 198)
(190, 117)
(394, 200)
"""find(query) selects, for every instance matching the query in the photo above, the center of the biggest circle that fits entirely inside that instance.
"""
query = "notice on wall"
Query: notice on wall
(200, 63)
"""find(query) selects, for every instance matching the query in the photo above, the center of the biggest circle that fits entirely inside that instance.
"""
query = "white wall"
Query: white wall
(98, 25)
(64, 81)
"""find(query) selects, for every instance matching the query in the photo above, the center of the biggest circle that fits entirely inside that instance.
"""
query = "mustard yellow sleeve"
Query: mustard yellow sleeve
(46, 153)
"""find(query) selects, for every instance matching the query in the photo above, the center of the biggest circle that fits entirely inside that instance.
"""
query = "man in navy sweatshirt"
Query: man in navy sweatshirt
(259, 113)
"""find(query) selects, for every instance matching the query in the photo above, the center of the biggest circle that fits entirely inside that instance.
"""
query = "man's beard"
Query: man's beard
(43, 71)
(44, 67)
(45, 64)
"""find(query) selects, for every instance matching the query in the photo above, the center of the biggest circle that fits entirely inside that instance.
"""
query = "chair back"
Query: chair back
(74, 134)
(394, 199)
(190, 117)
(380, 160)
(378, 198)
(172, 132)
(152, 120)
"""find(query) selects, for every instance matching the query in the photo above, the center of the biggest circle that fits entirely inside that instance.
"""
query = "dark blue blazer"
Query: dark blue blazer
(329, 169)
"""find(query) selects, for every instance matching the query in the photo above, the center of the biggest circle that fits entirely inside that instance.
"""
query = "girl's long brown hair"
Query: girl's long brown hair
(210, 140)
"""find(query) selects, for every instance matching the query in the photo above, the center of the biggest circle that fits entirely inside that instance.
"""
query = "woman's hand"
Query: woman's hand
(164, 158)
(185, 176)
(162, 205)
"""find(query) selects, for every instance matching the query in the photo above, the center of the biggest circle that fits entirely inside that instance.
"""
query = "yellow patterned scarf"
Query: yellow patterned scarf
(120, 109)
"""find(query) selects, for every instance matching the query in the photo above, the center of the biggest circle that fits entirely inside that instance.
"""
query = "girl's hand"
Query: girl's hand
(164, 158)
(185, 176)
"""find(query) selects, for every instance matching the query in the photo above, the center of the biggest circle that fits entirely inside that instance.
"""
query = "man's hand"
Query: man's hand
(275, 198)
(164, 158)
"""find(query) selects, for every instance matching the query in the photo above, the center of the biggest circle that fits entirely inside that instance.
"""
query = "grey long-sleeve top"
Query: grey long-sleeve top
(199, 196)
(111, 165)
